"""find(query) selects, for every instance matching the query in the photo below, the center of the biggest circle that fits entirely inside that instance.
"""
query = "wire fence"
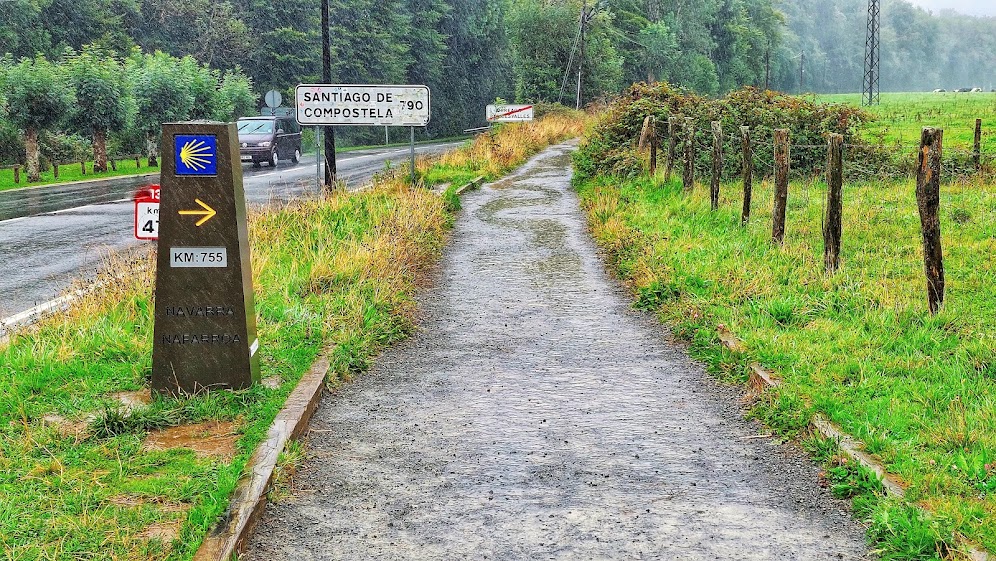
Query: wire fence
(862, 161)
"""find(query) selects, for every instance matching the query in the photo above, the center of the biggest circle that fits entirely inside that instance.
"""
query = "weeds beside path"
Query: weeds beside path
(79, 477)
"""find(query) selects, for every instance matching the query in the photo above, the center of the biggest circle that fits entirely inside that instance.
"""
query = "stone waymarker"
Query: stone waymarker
(205, 320)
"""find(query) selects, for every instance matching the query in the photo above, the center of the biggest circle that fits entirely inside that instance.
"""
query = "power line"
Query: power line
(570, 64)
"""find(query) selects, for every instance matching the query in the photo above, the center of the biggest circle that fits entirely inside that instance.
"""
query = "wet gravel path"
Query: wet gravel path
(537, 416)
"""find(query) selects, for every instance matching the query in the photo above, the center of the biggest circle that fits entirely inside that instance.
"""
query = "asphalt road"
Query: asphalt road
(51, 235)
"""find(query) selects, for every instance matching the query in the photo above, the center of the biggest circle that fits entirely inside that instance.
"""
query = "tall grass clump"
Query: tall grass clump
(611, 147)
(505, 146)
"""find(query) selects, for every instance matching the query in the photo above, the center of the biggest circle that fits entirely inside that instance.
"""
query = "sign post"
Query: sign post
(364, 105)
(205, 320)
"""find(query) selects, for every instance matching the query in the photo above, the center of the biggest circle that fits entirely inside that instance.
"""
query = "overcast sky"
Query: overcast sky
(970, 7)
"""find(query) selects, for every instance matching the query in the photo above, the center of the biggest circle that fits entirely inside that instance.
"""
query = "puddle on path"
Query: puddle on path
(272, 382)
(211, 439)
(132, 400)
(132, 501)
(163, 531)
(65, 427)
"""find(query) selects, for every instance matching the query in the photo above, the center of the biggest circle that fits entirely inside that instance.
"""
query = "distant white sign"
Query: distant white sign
(509, 113)
(357, 105)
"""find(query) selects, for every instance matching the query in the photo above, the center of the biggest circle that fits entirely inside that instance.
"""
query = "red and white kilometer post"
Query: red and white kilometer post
(147, 213)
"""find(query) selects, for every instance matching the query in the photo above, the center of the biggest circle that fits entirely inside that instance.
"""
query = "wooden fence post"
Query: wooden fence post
(688, 178)
(832, 217)
(717, 163)
(781, 185)
(672, 130)
(648, 136)
(114, 165)
(928, 188)
(748, 172)
(83, 168)
(977, 149)
(17, 173)
(55, 169)
(653, 146)
(138, 163)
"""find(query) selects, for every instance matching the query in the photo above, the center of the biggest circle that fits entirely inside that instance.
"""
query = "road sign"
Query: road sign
(205, 319)
(147, 214)
(356, 105)
(273, 99)
(509, 113)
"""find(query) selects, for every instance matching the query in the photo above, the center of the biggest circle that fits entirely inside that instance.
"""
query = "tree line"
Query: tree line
(471, 52)
(52, 107)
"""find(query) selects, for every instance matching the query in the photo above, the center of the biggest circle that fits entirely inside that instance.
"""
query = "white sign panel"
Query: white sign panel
(509, 113)
(356, 105)
(147, 221)
(147, 213)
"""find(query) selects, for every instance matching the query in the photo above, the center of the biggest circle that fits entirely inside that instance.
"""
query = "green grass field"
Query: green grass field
(71, 172)
(859, 346)
(901, 117)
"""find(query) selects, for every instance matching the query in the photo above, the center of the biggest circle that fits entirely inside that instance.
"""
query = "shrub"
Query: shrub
(762, 111)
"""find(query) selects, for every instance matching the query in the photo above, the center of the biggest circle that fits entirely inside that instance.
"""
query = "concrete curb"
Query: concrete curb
(474, 184)
(31, 315)
(230, 534)
(761, 379)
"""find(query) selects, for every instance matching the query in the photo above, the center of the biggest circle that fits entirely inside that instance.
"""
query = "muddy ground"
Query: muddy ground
(537, 416)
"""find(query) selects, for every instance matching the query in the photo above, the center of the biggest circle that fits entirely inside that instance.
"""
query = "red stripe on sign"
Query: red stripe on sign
(512, 112)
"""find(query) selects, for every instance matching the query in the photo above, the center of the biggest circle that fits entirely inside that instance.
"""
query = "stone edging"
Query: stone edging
(761, 379)
(230, 534)
(474, 184)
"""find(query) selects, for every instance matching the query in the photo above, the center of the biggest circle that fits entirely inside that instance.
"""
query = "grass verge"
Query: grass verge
(859, 346)
(70, 173)
(78, 476)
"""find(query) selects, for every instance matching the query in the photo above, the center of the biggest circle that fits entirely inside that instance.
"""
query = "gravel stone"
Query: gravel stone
(536, 415)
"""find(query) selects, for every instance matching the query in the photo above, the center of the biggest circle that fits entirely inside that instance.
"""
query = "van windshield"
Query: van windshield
(255, 126)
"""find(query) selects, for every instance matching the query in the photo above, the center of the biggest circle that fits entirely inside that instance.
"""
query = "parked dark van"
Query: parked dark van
(269, 139)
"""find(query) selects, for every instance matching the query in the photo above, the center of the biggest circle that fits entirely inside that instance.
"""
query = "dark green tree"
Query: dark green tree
(37, 98)
(235, 97)
(286, 46)
(477, 65)
(210, 31)
(97, 80)
(162, 94)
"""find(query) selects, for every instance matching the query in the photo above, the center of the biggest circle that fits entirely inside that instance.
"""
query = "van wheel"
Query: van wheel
(274, 157)
(297, 156)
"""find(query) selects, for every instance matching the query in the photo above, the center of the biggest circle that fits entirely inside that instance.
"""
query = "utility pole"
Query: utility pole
(870, 94)
(584, 10)
(802, 73)
(330, 169)
(586, 16)
(767, 67)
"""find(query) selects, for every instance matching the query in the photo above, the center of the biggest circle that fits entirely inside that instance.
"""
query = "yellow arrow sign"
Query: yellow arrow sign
(208, 212)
